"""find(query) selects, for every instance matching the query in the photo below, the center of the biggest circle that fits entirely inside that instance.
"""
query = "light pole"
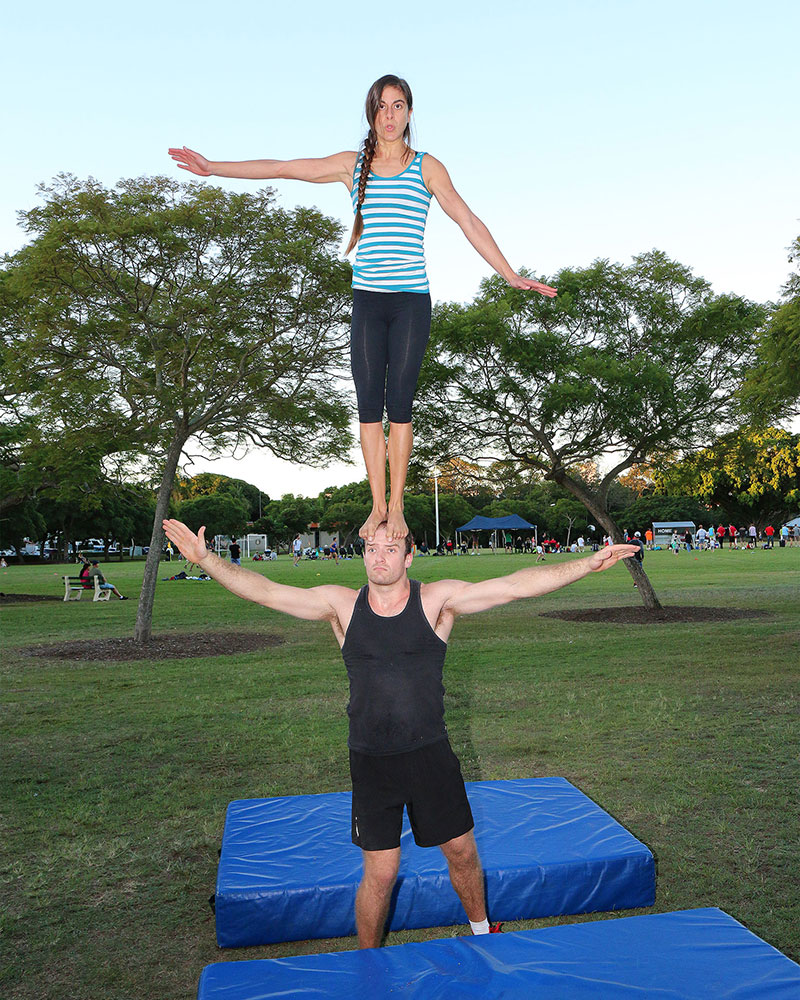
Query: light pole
(436, 504)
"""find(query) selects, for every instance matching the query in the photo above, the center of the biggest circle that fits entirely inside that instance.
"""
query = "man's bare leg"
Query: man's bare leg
(466, 874)
(373, 448)
(401, 438)
(374, 895)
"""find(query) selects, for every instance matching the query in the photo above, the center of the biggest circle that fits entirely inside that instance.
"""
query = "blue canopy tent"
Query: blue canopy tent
(511, 523)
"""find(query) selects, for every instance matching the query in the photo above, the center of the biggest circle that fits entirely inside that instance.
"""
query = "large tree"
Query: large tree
(177, 314)
(628, 363)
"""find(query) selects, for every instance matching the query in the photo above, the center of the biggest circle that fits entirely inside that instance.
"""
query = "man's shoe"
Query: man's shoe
(496, 928)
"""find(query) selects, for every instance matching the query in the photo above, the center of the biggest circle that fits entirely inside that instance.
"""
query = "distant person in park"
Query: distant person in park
(648, 537)
(732, 535)
(104, 584)
(297, 548)
(235, 553)
(86, 568)
(701, 537)
(637, 541)
(399, 751)
(721, 535)
(769, 531)
(391, 185)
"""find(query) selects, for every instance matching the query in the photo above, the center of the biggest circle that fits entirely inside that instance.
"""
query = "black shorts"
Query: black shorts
(388, 336)
(427, 782)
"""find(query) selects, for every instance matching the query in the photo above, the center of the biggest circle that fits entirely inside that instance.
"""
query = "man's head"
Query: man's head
(95, 562)
(386, 561)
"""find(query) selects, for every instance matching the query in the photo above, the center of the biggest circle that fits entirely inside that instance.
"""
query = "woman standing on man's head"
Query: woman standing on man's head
(391, 186)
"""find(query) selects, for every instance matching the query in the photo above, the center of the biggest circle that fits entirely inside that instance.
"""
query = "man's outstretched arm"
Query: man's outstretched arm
(534, 581)
(313, 603)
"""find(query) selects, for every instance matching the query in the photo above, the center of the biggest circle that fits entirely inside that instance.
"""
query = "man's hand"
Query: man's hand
(610, 555)
(193, 546)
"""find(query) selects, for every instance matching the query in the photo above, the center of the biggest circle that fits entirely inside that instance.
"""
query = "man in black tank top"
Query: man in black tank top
(393, 635)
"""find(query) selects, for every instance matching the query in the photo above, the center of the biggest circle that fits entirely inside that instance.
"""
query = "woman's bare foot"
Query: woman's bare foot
(370, 526)
(396, 526)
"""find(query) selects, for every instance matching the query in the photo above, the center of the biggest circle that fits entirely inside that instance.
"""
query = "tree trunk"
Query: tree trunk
(144, 613)
(598, 509)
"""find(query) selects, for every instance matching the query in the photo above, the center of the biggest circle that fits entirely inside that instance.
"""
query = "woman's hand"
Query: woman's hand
(187, 159)
(529, 285)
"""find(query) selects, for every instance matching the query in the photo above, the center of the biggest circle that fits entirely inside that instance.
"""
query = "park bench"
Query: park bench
(74, 587)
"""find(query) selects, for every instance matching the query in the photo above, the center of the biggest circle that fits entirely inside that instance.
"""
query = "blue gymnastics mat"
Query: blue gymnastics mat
(689, 955)
(288, 871)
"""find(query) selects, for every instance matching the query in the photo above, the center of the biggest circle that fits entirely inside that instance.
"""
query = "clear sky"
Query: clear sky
(575, 130)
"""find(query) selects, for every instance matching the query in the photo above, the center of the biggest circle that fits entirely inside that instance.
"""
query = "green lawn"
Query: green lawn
(117, 775)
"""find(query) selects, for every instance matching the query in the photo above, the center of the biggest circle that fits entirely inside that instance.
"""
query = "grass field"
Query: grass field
(116, 776)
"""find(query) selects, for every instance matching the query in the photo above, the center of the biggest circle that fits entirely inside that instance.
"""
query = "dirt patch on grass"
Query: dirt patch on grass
(26, 598)
(168, 646)
(639, 615)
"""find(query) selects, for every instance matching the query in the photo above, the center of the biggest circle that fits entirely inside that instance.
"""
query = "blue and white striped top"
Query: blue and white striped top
(390, 256)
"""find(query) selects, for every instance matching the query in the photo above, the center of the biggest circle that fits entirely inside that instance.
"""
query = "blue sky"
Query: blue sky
(575, 130)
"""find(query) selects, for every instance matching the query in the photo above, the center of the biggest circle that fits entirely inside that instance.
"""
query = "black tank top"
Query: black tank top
(395, 669)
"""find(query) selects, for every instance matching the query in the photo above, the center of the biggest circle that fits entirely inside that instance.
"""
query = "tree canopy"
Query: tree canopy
(754, 475)
(164, 313)
(772, 388)
(220, 513)
(636, 362)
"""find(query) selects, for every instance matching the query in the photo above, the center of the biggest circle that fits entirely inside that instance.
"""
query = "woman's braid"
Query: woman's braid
(370, 145)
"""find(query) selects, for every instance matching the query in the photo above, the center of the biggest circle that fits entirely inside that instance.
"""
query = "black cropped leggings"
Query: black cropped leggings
(388, 337)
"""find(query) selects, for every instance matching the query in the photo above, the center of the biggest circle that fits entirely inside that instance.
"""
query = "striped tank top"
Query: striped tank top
(390, 256)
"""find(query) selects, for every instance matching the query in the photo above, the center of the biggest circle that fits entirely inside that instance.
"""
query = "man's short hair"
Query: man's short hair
(95, 562)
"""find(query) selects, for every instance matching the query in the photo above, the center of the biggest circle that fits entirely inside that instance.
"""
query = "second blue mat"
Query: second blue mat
(690, 955)
(288, 871)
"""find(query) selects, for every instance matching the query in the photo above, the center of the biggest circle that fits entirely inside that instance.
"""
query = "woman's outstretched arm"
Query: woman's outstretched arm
(319, 170)
(441, 187)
